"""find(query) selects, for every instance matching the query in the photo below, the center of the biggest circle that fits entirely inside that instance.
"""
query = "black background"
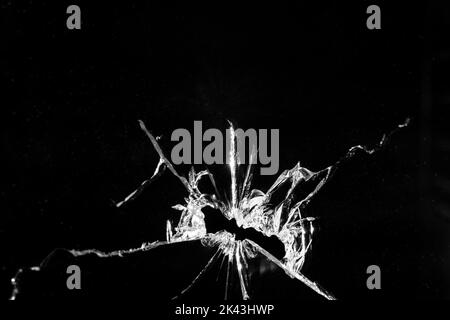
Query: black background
(72, 145)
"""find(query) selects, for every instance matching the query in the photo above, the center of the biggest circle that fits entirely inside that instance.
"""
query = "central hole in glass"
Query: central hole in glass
(215, 221)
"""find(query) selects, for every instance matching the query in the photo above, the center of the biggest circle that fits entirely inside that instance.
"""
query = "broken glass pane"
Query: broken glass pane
(276, 215)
